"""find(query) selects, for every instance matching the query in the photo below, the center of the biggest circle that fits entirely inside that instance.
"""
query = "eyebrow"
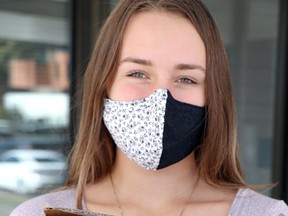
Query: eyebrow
(149, 63)
(137, 61)
(190, 67)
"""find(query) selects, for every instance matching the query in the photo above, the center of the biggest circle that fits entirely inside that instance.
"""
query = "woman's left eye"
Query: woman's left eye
(186, 80)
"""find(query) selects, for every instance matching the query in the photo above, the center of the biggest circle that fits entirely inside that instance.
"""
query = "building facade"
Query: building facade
(46, 45)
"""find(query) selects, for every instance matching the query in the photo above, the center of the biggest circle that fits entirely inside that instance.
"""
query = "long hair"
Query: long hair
(93, 153)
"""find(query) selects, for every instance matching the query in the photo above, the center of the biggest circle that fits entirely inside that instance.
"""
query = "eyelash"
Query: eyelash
(137, 74)
(186, 80)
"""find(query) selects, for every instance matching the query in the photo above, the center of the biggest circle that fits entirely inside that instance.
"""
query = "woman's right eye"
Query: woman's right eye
(137, 74)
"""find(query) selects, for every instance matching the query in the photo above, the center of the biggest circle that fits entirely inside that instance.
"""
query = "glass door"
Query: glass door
(34, 98)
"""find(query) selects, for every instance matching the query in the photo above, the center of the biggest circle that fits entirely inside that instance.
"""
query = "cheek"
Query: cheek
(125, 92)
(195, 97)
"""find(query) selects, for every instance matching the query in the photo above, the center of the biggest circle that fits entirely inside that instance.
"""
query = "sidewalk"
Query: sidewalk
(8, 201)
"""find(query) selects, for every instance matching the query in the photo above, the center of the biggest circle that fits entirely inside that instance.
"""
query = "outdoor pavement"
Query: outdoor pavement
(9, 200)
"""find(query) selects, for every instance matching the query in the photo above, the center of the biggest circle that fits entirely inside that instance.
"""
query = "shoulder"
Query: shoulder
(249, 202)
(64, 199)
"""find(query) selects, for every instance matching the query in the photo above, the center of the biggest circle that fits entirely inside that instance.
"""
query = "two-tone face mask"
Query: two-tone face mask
(157, 131)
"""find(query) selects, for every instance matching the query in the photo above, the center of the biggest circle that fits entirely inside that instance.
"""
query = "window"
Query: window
(11, 160)
(34, 94)
(249, 30)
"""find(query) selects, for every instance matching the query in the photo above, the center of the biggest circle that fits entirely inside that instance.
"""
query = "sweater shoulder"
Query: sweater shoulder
(249, 202)
(34, 207)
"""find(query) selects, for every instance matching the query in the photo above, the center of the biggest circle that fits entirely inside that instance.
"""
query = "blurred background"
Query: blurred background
(45, 46)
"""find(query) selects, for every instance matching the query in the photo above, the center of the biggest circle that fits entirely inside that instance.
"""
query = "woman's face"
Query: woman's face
(161, 50)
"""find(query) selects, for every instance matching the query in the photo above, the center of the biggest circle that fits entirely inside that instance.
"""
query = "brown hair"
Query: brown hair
(94, 151)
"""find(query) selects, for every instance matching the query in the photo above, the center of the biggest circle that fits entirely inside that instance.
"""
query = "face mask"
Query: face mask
(157, 131)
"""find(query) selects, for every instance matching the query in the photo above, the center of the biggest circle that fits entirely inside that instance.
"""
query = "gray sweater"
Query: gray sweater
(246, 203)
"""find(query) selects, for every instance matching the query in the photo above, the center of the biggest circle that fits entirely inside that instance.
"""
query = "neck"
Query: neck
(160, 187)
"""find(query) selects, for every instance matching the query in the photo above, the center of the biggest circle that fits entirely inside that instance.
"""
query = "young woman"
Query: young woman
(157, 134)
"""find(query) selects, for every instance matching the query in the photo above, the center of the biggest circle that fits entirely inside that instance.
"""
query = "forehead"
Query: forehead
(161, 32)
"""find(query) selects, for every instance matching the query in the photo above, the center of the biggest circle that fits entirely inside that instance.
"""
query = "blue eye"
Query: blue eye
(186, 80)
(137, 74)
